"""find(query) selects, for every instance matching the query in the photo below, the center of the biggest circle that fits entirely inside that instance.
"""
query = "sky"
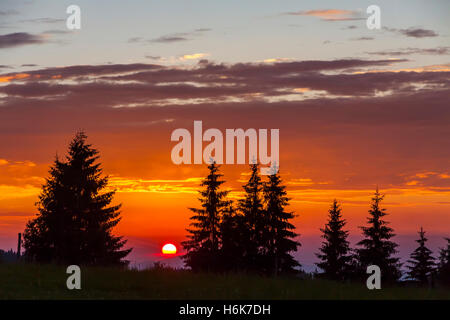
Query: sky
(356, 108)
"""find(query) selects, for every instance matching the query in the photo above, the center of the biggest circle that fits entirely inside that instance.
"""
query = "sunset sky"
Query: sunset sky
(356, 108)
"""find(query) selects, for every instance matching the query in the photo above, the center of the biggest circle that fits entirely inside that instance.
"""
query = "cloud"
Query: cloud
(330, 14)
(363, 38)
(180, 36)
(203, 30)
(418, 33)
(272, 60)
(76, 71)
(414, 32)
(410, 51)
(145, 84)
(141, 85)
(57, 31)
(8, 12)
(123, 184)
(430, 68)
(193, 56)
(19, 39)
(19, 178)
(18, 192)
(14, 76)
(44, 20)
(428, 179)
(343, 117)
(153, 57)
(135, 39)
(177, 37)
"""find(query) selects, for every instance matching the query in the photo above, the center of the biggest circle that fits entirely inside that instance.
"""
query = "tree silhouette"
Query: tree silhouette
(8, 256)
(377, 249)
(422, 262)
(232, 230)
(252, 210)
(203, 244)
(444, 264)
(278, 234)
(75, 220)
(335, 249)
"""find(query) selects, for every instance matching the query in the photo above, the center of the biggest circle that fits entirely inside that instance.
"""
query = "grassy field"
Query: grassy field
(22, 281)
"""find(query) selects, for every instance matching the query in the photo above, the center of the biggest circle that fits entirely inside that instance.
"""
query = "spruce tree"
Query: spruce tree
(278, 235)
(377, 249)
(203, 242)
(75, 220)
(422, 262)
(232, 230)
(444, 264)
(252, 211)
(335, 252)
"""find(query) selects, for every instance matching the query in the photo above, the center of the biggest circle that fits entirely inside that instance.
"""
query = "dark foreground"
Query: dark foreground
(25, 281)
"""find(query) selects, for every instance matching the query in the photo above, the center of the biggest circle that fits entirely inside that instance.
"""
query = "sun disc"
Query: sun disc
(169, 249)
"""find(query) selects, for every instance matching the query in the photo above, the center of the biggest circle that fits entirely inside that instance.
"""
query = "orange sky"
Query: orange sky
(156, 193)
(346, 126)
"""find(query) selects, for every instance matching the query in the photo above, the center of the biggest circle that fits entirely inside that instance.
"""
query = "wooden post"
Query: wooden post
(19, 245)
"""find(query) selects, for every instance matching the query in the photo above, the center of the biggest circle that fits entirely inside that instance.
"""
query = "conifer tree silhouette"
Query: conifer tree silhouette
(335, 251)
(278, 234)
(252, 211)
(232, 230)
(203, 243)
(75, 220)
(422, 262)
(444, 264)
(377, 249)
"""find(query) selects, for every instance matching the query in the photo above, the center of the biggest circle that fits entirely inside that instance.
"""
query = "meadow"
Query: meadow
(32, 281)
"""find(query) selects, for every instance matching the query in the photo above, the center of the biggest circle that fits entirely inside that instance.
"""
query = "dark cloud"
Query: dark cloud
(89, 70)
(414, 32)
(171, 38)
(153, 57)
(43, 20)
(8, 12)
(144, 84)
(418, 33)
(363, 38)
(19, 39)
(179, 36)
(135, 40)
(409, 51)
(210, 72)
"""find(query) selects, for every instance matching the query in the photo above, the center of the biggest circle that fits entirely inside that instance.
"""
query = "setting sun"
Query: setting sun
(169, 249)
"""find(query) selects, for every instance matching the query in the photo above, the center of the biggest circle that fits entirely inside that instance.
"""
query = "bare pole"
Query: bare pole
(19, 245)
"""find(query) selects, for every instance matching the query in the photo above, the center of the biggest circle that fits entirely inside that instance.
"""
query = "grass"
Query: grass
(28, 281)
